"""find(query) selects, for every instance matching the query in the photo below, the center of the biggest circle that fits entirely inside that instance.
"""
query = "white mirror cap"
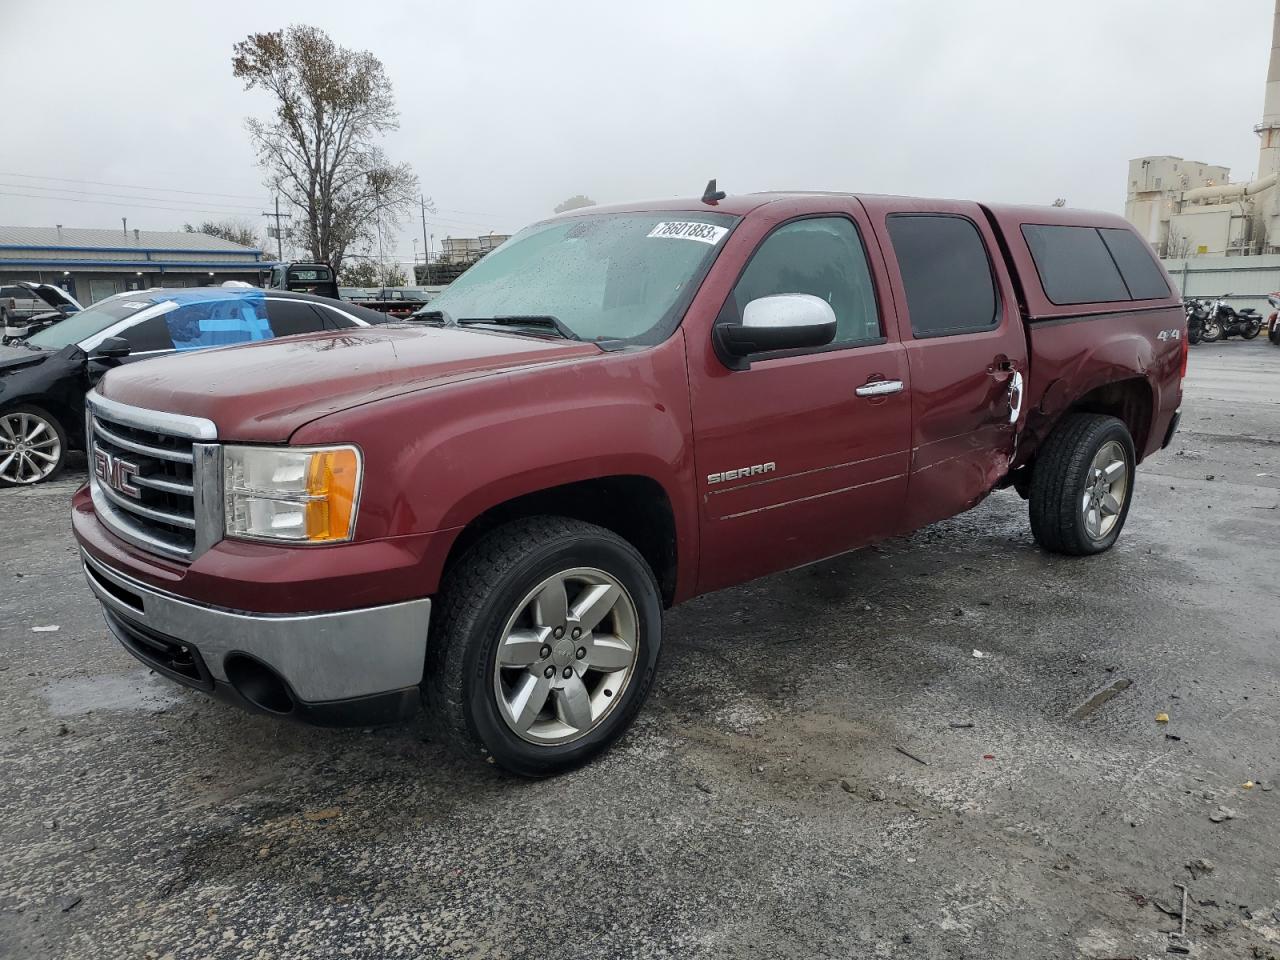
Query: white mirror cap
(788, 310)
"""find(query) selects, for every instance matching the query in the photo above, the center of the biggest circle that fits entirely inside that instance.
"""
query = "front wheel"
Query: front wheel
(545, 645)
(1193, 335)
(33, 446)
(1082, 485)
(1212, 331)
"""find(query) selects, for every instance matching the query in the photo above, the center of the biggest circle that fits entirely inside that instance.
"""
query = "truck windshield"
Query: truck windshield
(87, 322)
(617, 276)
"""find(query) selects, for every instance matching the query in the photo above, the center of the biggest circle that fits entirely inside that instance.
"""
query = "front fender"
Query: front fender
(438, 458)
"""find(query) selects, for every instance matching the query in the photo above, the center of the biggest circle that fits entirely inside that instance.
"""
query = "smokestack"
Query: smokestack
(1269, 128)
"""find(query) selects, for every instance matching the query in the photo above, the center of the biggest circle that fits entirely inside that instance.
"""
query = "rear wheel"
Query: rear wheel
(33, 446)
(1252, 329)
(1082, 485)
(545, 646)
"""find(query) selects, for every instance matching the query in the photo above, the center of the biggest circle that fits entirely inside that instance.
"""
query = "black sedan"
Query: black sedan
(43, 379)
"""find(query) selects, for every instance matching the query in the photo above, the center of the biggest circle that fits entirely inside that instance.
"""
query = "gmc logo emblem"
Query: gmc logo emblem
(116, 473)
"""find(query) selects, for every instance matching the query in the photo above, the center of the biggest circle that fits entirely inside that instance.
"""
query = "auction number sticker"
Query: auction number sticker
(689, 230)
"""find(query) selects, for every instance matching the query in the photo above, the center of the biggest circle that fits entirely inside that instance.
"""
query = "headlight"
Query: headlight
(303, 495)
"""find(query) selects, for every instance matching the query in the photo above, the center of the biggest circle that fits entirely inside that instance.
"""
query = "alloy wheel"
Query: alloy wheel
(565, 656)
(1105, 490)
(29, 448)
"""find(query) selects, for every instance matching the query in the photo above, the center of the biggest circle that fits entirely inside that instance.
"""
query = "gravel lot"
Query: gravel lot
(761, 806)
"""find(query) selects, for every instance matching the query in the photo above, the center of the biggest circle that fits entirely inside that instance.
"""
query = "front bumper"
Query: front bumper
(352, 666)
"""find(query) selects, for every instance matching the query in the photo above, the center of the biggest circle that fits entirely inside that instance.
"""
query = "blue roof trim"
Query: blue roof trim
(243, 251)
(147, 266)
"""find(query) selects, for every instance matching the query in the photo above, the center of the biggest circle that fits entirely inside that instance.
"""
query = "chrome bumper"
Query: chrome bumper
(323, 656)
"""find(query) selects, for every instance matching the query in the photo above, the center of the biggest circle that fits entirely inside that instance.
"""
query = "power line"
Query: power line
(119, 196)
(111, 203)
(134, 186)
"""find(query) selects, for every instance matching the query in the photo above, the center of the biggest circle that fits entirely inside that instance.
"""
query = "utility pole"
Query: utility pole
(279, 233)
(426, 257)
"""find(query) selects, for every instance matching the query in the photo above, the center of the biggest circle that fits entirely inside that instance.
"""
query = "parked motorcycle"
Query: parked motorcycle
(1224, 321)
(1273, 321)
(1197, 314)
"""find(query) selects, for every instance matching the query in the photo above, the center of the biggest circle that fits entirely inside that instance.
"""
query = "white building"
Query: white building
(1186, 208)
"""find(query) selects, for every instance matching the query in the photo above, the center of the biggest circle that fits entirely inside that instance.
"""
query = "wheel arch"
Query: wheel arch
(636, 507)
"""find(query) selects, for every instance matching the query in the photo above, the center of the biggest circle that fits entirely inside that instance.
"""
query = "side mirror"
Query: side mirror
(785, 321)
(112, 348)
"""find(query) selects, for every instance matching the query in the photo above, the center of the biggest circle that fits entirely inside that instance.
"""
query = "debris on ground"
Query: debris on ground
(328, 813)
(907, 753)
(978, 654)
(1221, 814)
(1162, 718)
(960, 724)
(846, 786)
(66, 904)
(1199, 866)
(1247, 785)
(1099, 697)
(51, 628)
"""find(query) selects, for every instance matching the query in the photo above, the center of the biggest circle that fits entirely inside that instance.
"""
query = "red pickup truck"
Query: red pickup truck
(617, 410)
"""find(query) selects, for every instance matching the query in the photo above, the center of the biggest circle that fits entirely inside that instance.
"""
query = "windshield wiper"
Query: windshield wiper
(541, 321)
(433, 316)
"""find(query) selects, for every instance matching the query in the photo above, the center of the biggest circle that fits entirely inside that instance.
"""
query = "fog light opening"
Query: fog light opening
(259, 684)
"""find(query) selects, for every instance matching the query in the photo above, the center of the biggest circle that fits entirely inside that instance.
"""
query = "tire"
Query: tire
(1274, 335)
(1251, 329)
(1193, 335)
(491, 589)
(1212, 331)
(47, 438)
(1069, 511)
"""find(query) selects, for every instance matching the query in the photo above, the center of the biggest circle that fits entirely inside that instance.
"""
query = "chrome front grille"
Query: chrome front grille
(154, 482)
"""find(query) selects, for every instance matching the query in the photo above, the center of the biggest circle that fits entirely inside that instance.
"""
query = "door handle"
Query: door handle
(879, 388)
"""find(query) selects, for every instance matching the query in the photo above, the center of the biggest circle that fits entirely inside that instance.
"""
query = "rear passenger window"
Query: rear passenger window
(1074, 264)
(289, 317)
(946, 273)
(218, 323)
(822, 256)
(1137, 265)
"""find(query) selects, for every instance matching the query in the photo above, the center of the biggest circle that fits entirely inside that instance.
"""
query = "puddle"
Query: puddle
(143, 691)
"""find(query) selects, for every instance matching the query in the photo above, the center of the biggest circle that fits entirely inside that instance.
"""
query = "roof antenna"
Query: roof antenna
(711, 195)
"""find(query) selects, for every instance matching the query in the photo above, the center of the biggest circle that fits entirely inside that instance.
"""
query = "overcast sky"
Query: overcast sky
(507, 108)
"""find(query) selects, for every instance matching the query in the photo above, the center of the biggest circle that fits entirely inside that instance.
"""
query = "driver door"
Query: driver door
(805, 453)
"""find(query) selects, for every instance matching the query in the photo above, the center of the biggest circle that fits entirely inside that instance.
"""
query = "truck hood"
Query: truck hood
(265, 391)
(55, 297)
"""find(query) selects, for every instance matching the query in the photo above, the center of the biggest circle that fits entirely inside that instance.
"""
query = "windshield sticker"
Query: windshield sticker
(136, 304)
(689, 230)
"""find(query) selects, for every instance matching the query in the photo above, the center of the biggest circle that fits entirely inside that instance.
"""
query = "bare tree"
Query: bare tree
(319, 146)
(237, 231)
(575, 203)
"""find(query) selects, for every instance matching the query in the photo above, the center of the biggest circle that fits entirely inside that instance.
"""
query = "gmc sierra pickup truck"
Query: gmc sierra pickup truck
(617, 410)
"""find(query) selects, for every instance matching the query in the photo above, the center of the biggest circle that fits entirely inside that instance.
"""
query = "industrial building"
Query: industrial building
(94, 264)
(1215, 236)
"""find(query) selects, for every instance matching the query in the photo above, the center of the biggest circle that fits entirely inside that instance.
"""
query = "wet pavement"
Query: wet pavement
(826, 768)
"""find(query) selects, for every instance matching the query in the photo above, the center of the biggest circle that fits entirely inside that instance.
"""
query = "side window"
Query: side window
(333, 320)
(218, 323)
(822, 256)
(1137, 265)
(1074, 264)
(149, 335)
(946, 273)
(293, 316)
